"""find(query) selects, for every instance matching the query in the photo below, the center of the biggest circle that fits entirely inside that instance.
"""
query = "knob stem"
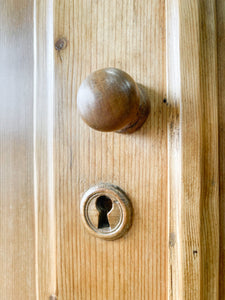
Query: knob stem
(142, 114)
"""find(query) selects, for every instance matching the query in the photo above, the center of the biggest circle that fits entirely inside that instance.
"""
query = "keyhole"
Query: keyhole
(103, 205)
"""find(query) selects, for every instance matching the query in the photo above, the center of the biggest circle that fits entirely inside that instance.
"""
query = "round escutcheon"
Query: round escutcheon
(106, 211)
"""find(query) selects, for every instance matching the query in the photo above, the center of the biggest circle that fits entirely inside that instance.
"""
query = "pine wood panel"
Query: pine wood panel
(175, 279)
(193, 150)
(17, 217)
(68, 157)
(43, 149)
(129, 35)
(221, 97)
(42, 183)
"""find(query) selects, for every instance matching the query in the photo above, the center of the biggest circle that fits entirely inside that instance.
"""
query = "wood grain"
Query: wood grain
(129, 35)
(17, 217)
(193, 194)
(221, 97)
(175, 280)
(43, 149)
(45, 252)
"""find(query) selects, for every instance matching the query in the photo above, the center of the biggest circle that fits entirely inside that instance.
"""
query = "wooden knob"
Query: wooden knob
(110, 100)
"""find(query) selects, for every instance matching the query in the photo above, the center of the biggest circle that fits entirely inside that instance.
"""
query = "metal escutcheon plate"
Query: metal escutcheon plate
(106, 211)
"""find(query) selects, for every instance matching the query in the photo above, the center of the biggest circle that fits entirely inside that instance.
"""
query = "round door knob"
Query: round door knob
(110, 100)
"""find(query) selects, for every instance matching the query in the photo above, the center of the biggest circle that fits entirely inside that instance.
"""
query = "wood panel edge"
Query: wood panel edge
(174, 151)
(192, 149)
(221, 99)
(44, 149)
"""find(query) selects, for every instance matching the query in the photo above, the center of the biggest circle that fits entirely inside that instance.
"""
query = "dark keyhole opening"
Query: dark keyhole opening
(103, 205)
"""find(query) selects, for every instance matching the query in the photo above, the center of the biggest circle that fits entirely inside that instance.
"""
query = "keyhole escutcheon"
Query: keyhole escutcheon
(106, 211)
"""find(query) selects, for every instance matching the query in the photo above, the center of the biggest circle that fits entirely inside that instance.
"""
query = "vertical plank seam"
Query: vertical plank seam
(34, 148)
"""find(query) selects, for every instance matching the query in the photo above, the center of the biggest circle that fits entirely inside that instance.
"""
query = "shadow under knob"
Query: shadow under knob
(110, 100)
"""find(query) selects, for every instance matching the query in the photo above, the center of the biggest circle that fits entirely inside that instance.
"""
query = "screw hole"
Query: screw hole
(104, 206)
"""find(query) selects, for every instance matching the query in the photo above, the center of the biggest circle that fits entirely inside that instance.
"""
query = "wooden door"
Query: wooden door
(169, 168)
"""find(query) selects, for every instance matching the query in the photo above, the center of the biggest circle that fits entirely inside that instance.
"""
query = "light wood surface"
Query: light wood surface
(193, 150)
(200, 210)
(221, 103)
(43, 149)
(169, 168)
(175, 278)
(130, 36)
(17, 215)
